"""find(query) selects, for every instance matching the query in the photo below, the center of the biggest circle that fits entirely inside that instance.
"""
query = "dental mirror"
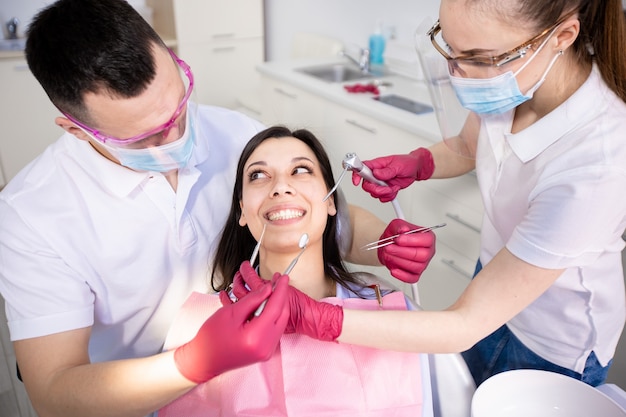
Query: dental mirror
(304, 240)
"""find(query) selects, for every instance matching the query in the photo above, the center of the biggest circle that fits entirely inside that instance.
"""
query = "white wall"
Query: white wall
(350, 21)
(24, 10)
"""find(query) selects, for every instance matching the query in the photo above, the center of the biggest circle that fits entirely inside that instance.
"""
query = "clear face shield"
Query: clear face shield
(451, 115)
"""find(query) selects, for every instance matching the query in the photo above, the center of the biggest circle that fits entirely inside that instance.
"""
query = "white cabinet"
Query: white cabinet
(199, 21)
(223, 71)
(455, 201)
(221, 40)
(14, 401)
(285, 104)
(26, 116)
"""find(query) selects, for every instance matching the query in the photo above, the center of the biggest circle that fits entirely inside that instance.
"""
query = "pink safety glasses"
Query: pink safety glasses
(164, 127)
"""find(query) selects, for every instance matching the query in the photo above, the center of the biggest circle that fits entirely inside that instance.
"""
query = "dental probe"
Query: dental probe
(255, 252)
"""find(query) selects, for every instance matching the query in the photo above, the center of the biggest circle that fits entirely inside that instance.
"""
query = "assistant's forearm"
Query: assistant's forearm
(412, 331)
(127, 388)
(449, 164)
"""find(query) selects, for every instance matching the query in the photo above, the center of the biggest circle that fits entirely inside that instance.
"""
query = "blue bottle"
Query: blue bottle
(377, 45)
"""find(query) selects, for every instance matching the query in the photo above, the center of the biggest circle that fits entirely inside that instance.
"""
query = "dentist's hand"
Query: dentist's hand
(398, 171)
(409, 255)
(318, 320)
(229, 339)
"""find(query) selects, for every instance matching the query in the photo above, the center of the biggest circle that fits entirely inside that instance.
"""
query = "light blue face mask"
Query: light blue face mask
(162, 158)
(498, 94)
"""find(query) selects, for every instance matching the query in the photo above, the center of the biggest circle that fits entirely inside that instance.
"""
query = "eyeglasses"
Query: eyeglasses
(462, 63)
(157, 130)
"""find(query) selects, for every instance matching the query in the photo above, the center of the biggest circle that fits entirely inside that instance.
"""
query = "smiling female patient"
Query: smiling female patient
(282, 179)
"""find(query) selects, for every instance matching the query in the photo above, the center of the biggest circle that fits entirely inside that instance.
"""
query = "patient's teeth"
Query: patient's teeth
(285, 214)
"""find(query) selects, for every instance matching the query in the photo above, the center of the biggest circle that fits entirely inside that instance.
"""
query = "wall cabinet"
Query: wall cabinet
(26, 116)
(221, 40)
(455, 201)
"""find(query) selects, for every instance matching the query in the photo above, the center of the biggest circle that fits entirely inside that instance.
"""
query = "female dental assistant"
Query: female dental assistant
(546, 84)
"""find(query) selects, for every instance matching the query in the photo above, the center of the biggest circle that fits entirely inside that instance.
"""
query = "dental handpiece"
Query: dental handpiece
(353, 163)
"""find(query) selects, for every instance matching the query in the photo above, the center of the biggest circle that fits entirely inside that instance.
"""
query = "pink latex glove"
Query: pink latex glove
(316, 319)
(398, 171)
(229, 339)
(409, 255)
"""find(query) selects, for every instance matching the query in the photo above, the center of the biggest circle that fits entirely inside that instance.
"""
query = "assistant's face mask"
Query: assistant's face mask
(164, 158)
(498, 94)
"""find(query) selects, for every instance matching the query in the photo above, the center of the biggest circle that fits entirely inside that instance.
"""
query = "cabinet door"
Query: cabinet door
(430, 206)
(224, 71)
(446, 277)
(285, 104)
(26, 116)
(200, 21)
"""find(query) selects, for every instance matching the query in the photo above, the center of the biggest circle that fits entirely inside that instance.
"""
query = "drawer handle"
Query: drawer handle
(224, 49)
(223, 35)
(450, 263)
(458, 219)
(360, 126)
(286, 93)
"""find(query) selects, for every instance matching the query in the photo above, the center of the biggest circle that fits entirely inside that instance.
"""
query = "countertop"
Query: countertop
(424, 125)
(12, 54)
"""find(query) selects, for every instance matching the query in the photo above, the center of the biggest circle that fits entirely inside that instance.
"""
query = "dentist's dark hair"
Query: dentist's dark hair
(98, 46)
(602, 37)
(237, 243)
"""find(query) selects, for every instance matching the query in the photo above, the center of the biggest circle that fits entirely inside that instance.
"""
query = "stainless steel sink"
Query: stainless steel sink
(12, 44)
(404, 103)
(337, 73)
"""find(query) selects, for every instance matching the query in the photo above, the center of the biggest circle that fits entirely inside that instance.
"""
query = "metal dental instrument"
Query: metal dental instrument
(353, 163)
(255, 252)
(389, 240)
(304, 240)
(332, 190)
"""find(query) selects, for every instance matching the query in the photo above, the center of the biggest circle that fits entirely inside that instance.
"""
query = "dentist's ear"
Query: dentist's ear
(67, 125)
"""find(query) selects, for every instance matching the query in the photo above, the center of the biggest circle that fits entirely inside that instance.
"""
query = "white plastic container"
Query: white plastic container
(534, 393)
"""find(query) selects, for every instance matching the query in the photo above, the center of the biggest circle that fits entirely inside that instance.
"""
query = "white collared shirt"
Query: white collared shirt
(86, 242)
(554, 195)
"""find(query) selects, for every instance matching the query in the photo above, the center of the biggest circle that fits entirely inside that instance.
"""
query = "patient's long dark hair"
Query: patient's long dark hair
(237, 243)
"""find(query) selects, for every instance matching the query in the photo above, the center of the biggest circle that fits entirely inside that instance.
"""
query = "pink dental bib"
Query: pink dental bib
(304, 377)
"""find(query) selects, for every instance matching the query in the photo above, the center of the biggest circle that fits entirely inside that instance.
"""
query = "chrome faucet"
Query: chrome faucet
(364, 59)
(12, 28)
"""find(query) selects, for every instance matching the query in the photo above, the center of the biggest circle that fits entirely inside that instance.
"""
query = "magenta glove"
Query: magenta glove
(229, 339)
(409, 255)
(316, 319)
(398, 171)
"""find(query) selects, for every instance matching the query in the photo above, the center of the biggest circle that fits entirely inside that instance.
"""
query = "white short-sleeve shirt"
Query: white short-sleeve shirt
(86, 242)
(555, 197)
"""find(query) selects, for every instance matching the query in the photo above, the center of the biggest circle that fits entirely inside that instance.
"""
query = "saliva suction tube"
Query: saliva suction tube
(352, 163)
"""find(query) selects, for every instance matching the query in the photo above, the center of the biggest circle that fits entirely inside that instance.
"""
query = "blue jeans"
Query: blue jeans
(502, 351)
